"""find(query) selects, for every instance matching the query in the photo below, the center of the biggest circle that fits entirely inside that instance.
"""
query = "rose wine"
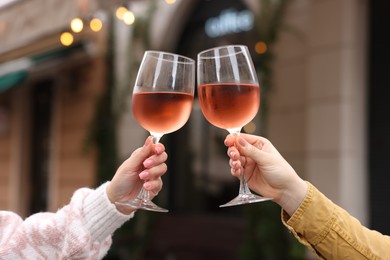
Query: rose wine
(230, 105)
(162, 112)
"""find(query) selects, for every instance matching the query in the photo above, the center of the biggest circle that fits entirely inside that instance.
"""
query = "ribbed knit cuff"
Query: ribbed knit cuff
(101, 216)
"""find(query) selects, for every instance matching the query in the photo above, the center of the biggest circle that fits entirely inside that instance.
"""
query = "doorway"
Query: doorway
(41, 120)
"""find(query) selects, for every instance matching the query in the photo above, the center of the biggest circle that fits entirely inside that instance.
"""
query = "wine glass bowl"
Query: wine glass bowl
(229, 96)
(230, 105)
(161, 102)
(162, 112)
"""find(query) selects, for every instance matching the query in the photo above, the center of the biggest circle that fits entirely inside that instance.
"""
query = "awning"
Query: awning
(14, 73)
(12, 79)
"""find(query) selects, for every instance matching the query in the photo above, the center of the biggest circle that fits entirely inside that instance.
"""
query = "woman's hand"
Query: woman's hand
(265, 170)
(144, 168)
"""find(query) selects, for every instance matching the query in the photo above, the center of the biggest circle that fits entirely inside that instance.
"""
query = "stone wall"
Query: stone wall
(318, 110)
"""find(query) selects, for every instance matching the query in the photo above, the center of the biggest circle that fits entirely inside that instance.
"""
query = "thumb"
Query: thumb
(250, 151)
(139, 155)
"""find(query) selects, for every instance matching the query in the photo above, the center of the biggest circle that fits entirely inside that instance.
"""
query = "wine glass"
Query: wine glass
(161, 103)
(229, 96)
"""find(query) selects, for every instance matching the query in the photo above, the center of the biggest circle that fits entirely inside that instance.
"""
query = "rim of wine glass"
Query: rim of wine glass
(222, 47)
(186, 60)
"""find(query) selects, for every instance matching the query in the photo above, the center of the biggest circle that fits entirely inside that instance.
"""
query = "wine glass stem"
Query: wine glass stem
(244, 189)
(156, 137)
(144, 195)
(244, 186)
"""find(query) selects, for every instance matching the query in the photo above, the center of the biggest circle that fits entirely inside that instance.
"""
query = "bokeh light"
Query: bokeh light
(120, 12)
(261, 47)
(129, 18)
(66, 38)
(96, 24)
(170, 2)
(76, 25)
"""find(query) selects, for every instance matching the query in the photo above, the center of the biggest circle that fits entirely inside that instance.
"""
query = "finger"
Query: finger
(158, 171)
(233, 153)
(158, 148)
(236, 171)
(242, 160)
(139, 155)
(155, 160)
(235, 164)
(154, 186)
(255, 140)
(154, 172)
(247, 149)
(229, 140)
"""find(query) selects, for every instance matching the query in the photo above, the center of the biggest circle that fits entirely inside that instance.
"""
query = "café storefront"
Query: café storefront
(315, 110)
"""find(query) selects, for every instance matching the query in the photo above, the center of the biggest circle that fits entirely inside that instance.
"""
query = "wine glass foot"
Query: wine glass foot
(138, 203)
(244, 199)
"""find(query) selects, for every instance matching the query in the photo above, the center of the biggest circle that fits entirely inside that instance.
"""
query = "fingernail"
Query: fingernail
(158, 150)
(231, 154)
(144, 174)
(147, 141)
(242, 142)
(147, 185)
(148, 162)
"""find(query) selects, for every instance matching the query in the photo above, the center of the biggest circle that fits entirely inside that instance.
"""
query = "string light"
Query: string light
(96, 24)
(76, 25)
(170, 2)
(120, 12)
(129, 18)
(66, 38)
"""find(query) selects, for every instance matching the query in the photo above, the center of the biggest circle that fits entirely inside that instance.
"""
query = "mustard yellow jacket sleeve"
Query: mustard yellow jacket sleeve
(330, 232)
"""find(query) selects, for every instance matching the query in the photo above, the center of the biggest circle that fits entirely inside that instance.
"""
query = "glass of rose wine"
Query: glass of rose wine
(229, 96)
(161, 103)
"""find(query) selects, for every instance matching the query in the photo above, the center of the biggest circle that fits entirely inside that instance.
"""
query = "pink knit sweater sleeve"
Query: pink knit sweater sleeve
(80, 230)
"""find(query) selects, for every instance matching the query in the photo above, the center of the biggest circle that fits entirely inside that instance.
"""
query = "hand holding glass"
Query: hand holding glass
(229, 96)
(162, 101)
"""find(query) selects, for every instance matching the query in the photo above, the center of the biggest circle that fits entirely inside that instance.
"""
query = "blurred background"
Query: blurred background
(66, 75)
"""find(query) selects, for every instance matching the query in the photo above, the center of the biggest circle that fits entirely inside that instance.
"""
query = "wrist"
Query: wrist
(113, 199)
(100, 215)
(293, 196)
